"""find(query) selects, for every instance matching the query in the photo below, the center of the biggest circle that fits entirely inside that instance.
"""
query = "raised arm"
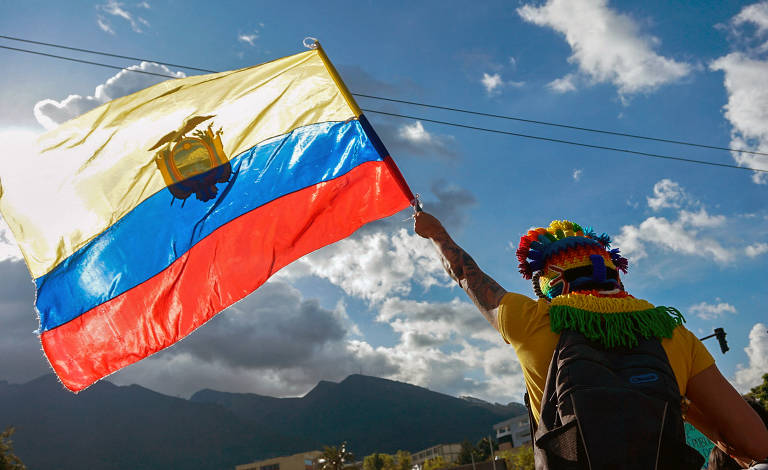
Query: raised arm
(484, 291)
(723, 415)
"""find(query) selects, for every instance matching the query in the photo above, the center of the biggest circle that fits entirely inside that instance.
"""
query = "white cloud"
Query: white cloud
(577, 174)
(117, 9)
(756, 14)
(564, 84)
(667, 193)
(747, 109)
(756, 249)
(431, 323)
(104, 25)
(682, 234)
(607, 46)
(273, 342)
(50, 113)
(701, 219)
(374, 266)
(670, 235)
(248, 38)
(276, 342)
(434, 351)
(707, 311)
(492, 83)
(416, 139)
(751, 375)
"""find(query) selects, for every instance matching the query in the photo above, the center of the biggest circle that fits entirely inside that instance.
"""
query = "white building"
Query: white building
(513, 432)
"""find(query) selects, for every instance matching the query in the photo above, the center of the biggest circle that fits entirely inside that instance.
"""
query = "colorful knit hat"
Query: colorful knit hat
(563, 258)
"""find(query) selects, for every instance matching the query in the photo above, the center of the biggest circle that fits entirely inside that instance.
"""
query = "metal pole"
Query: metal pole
(490, 444)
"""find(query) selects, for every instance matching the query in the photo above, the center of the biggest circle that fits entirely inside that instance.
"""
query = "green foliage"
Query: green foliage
(8, 461)
(467, 453)
(378, 461)
(335, 457)
(400, 461)
(403, 460)
(480, 452)
(435, 463)
(760, 393)
(483, 447)
(519, 459)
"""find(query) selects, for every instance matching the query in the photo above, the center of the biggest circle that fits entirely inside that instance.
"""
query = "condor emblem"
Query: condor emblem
(193, 163)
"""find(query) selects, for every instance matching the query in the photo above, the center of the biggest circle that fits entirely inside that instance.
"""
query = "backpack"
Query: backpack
(606, 409)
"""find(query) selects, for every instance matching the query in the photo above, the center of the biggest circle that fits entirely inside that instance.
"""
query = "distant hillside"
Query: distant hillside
(373, 414)
(111, 427)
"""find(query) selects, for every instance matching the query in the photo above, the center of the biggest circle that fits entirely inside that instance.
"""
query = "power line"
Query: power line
(565, 126)
(89, 51)
(569, 142)
(465, 126)
(393, 100)
(86, 62)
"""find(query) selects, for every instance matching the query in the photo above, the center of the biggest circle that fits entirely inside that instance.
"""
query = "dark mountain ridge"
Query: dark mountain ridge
(127, 427)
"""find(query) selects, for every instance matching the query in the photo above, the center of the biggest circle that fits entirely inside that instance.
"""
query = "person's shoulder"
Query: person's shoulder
(520, 315)
(518, 303)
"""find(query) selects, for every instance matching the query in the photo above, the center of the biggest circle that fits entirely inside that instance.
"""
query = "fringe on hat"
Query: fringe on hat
(616, 329)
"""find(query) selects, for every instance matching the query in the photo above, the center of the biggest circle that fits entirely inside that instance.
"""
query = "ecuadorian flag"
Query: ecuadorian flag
(145, 217)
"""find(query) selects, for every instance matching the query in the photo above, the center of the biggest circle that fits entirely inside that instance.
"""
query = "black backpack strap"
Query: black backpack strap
(531, 423)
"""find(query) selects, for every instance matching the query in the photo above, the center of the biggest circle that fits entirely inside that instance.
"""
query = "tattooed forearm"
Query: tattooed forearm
(481, 288)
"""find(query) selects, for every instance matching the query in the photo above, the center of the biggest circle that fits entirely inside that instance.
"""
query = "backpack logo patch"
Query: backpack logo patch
(643, 378)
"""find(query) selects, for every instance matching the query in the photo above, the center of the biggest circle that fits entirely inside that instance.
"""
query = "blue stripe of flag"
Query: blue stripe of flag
(159, 230)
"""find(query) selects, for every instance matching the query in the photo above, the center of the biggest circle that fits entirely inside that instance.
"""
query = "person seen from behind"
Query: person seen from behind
(582, 301)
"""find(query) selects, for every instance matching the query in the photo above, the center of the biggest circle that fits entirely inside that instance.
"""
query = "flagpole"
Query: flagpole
(313, 43)
(337, 79)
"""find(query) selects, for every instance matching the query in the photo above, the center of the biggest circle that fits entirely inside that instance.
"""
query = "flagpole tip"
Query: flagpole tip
(310, 42)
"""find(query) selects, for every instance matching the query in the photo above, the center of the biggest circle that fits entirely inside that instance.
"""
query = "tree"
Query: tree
(377, 461)
(519, 459)
(483, 447)
(9, 461)
(403, 460)
(334, 457)
(435, 463)
(760, 393)
(468, 454)
(479, 452)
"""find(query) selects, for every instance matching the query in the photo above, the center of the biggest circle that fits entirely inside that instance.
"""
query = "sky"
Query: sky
(379, 302)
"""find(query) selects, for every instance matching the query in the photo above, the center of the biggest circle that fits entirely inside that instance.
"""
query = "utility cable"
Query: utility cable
(570, 142)
(86, 62)
(414, 103)
(393, 100)
(465, 126)
(565, 126)
(104, 53)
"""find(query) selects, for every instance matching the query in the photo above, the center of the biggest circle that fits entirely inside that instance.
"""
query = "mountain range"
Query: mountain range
(114, 427)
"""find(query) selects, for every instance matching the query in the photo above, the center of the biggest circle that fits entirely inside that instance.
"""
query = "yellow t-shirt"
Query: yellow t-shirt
(524, 323)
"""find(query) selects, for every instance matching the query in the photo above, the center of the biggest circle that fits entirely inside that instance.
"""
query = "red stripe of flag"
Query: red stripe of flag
(218, 271)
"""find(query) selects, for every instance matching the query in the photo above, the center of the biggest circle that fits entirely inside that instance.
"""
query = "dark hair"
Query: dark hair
(719, 460)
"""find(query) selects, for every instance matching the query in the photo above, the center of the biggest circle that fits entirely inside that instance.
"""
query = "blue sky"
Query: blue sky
(378, 302)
